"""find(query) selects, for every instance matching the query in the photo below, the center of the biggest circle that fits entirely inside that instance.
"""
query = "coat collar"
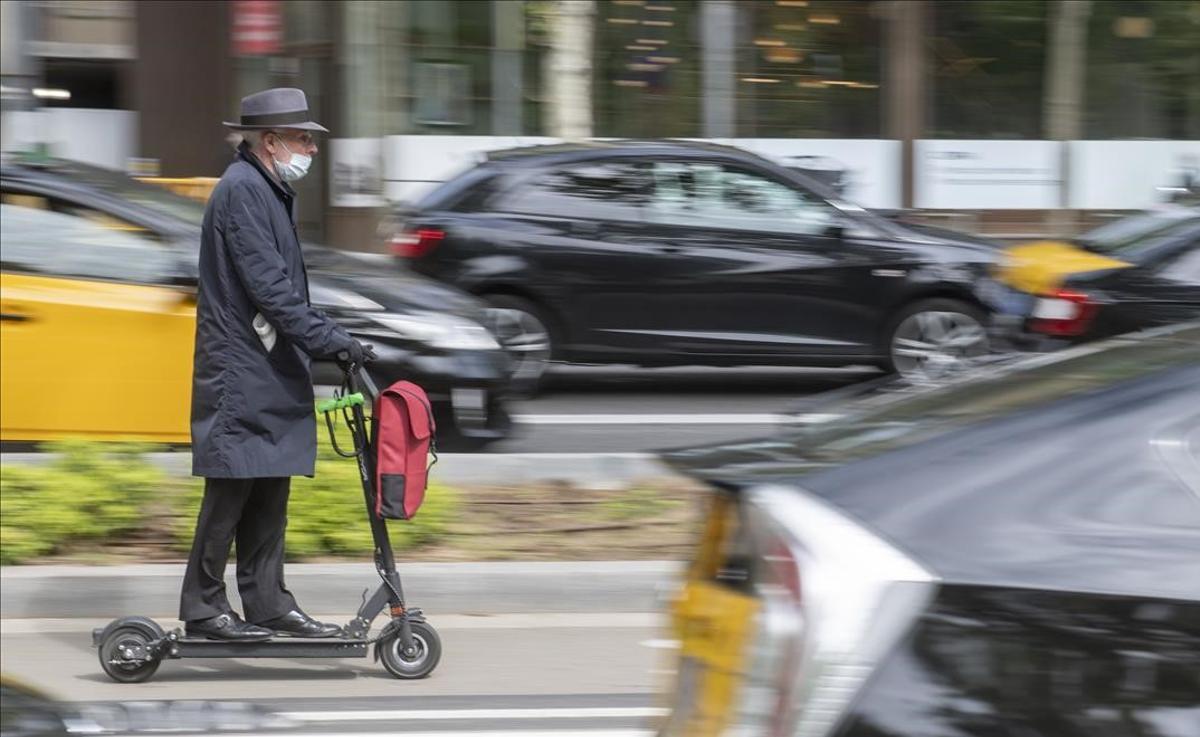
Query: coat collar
(283, 188)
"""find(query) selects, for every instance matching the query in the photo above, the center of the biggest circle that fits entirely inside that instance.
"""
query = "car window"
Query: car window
(893, 425)
(611, 190)
(1132, 237)
(1185, 269)
(712, 195)
(38, 240)
(150, 196)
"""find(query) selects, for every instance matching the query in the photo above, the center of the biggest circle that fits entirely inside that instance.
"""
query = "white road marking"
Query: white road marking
(472, 714)
(469, 733)
(675, 419)
(661, 644)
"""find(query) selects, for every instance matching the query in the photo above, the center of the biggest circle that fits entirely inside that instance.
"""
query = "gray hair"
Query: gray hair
(253, 139)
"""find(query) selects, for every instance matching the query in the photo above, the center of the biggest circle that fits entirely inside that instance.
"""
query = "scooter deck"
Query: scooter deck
(276, 647)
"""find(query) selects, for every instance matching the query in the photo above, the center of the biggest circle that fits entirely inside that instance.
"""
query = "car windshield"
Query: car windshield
(905, 421)
(147, 195)
(1130, 237)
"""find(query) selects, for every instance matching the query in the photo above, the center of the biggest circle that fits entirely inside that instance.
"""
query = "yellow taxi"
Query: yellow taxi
(97, 315)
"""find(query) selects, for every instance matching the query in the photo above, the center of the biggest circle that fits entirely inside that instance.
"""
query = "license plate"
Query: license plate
(715, 627)
(470, 405)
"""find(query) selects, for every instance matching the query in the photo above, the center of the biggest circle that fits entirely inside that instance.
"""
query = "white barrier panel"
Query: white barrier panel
(106, 138)
(415, 164)
(987, 175)
(872, 166)
(1127, 175)
(356, 172)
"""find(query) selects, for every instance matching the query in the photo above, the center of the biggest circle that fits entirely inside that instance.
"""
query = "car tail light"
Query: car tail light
(836, 599)
(417, 242)
(1063, 312)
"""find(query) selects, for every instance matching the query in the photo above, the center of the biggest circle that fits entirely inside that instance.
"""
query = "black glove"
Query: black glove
(357, 353)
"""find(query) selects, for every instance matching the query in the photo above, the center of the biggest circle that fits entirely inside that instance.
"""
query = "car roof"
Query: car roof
(588, 150)
(1078, 471)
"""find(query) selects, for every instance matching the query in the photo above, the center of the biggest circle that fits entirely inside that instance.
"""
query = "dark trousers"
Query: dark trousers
(254, 512)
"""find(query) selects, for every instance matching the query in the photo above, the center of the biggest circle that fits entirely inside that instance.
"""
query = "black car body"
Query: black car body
(659, 253)
(1018, 554)
(1152, 278)
(422, 331)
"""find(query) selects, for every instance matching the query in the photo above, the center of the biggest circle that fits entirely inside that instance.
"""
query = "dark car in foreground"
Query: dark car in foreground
(100, 269)
(1134, 273)
(1016, 554)
(666, 253)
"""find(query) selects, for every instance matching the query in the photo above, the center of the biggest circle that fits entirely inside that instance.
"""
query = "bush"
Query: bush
(94, 492)
(327, 516)
(91, 491)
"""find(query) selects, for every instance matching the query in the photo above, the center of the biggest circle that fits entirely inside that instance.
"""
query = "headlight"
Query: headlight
(445, 332)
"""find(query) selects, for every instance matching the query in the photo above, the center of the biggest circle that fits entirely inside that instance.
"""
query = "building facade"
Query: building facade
(1018, 115)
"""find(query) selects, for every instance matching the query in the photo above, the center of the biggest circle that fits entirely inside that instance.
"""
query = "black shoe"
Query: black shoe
(298, 624)
(228, 626)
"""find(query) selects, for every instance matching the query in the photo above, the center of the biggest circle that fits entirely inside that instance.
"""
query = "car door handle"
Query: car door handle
(670, 249)
(14, 317)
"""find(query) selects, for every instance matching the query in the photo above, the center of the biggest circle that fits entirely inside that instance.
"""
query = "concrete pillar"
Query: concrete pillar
(718, 33)
(907, 82)
(180, 112)
(570, 105)
(1062, 106)
(508, 34)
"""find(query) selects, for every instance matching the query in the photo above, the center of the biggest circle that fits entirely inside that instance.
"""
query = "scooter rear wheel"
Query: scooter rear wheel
(124, 656)
(420, 661)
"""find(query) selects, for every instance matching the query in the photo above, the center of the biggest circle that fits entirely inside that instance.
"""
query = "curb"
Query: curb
(587, 470)
(31, 592)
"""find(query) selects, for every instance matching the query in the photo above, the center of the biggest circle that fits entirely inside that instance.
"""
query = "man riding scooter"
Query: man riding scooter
(253, 424)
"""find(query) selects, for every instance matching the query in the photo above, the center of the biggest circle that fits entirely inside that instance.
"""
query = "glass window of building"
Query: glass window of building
(443, 67)
(987, 61)
(1143, 69)
(808, 69)
(647, 68)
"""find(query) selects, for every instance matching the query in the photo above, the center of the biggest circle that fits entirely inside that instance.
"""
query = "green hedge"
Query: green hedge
(95, 492)
(327, 516)
(91, 491)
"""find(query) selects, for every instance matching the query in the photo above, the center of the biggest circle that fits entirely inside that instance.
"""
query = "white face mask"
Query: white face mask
(294, 169)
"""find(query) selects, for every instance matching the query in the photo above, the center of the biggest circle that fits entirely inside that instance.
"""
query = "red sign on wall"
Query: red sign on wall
(257, 27)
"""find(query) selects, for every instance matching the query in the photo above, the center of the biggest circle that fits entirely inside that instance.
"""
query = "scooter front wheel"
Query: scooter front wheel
(419, 660)
(125, 653)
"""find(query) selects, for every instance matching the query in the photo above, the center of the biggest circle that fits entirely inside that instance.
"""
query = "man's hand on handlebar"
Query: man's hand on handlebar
(358, 354)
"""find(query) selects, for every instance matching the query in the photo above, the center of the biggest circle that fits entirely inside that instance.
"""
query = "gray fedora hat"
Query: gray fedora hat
(281, 107)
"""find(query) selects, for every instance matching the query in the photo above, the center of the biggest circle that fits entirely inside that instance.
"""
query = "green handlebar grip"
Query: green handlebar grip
(350, 400)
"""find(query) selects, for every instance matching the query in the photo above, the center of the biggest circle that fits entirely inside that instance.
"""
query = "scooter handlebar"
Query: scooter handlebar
(350, 400)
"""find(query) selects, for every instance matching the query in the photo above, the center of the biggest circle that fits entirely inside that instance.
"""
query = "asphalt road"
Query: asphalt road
(622, 410)
(592, 675)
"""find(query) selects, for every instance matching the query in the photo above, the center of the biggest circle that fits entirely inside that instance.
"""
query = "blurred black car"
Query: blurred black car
(422, 331)
(1017, 554)
(1147, 273)
(26, 712)
(667, 253)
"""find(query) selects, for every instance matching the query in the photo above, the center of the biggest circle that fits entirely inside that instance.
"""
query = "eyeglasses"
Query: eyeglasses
(304, 139)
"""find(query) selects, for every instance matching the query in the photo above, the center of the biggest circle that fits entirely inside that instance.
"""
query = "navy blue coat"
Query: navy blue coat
(252, 409)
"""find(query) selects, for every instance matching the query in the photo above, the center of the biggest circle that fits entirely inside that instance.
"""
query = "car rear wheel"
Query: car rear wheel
(524, 333)
(935, 339)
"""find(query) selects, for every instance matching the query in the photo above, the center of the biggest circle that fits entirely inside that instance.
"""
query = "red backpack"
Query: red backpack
(404, 437)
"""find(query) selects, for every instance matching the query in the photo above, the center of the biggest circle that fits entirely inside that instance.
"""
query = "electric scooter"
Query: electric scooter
(132, 648)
